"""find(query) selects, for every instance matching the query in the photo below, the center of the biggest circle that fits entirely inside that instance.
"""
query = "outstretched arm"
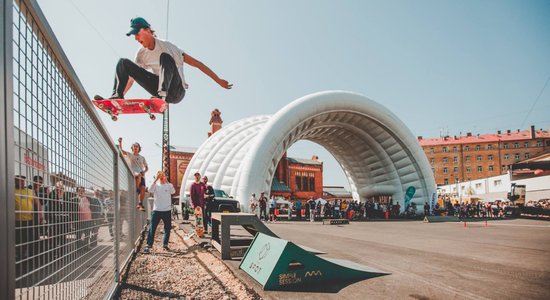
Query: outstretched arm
(188, 59)
(120, 146)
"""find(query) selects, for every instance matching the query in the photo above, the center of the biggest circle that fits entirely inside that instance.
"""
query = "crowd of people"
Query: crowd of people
(51, 222)
(324, 209)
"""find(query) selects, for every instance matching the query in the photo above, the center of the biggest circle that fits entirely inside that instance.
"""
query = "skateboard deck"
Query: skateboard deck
(199, 227)
(115, 107)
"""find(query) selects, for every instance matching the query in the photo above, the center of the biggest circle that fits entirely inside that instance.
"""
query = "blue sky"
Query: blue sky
(440, 66)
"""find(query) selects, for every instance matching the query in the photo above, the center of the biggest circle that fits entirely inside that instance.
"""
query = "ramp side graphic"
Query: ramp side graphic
(278, 264)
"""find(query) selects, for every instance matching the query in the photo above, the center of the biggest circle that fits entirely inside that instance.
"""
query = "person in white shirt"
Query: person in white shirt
(162, 205)
(253, 204)
(164, 59)
(139, 167)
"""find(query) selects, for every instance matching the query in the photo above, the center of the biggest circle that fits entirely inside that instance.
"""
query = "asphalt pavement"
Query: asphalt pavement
(507, 259)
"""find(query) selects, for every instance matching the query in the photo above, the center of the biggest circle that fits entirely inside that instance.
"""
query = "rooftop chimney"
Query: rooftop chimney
(533, 131)
(468, 134)
(508, 131)
(419, 137)
(315, 158)
(215, 121)
(498, 131)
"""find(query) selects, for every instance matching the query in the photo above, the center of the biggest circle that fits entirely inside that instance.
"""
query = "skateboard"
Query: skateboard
(199, 227)
(115, 107)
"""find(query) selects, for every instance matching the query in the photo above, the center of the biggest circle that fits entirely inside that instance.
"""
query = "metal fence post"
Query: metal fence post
(7, 189)
(117, 220)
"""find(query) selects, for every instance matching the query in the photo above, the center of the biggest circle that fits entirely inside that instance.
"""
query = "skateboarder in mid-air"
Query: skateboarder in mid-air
(164, 59)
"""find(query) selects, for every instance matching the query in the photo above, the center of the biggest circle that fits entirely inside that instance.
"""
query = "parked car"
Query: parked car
(222, 202)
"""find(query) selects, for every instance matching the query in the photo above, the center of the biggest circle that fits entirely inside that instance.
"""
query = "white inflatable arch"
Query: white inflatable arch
(378, 153)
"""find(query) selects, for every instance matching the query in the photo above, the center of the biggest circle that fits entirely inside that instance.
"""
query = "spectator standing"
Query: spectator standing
(209, 198)
(289, 212)
(40, 193)
(84, 226)
(298, 209)
(25, 233)
(109, 204)
(162, 204)
(311, 207)
(253, 204)
(198, 190)
(426, 209)
(263, 206)
(272, 206)
(59, 216)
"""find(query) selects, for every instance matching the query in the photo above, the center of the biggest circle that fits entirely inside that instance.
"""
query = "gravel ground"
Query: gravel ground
(186, 271)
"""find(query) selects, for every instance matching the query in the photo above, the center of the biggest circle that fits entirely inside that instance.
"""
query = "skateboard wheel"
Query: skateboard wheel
(152, 117)
(114, 118)
(101, 105)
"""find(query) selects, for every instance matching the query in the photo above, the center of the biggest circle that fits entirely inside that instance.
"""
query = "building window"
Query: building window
(467, 148)
(497, 182)
(479, 168)
(312, 184)
(491, 168)
(526, 144)
(516, 156)
(505, 145)
(432, 150)
(490, 157)
(305, 184)
(506, 156)
(479, 158)
(432, 160)
(516, 145)
(455, 149)
(468, 170)
(504, 168)
(445, 170)
(445, 160)
(455, 159)
(490, 147)
(444, 149)
(433, 170)
(445, 181)
(298, 183)
(539, 143)
(526, 155)
(478, 185)
(467, 158)
(455, 170)
(478, 147)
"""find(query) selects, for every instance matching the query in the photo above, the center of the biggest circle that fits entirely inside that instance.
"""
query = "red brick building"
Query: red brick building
(464, 158)
(298, 178)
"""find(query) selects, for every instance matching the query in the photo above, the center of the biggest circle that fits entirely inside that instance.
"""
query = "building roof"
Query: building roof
(183, 149)
(277, 186)
(304, 161)
(336, 191)
(484, 138)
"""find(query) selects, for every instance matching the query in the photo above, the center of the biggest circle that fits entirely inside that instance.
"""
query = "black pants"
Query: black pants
(156, 216)
(170, 79)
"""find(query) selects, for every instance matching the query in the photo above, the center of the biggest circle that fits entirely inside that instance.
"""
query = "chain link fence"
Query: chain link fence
(68, 219)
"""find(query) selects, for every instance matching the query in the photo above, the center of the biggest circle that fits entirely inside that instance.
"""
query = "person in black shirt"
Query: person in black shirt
(209, 198)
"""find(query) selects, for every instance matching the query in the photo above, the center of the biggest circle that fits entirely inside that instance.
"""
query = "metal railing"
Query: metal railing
(67, 197)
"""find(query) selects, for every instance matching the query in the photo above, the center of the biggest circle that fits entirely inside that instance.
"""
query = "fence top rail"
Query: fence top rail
(32, 7)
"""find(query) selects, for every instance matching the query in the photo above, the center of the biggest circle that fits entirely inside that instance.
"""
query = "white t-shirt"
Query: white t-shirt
(163, 196)
(150, 59)
(137, 163)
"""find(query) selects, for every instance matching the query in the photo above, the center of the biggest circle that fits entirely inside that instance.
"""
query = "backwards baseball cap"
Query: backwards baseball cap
(137, 24)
